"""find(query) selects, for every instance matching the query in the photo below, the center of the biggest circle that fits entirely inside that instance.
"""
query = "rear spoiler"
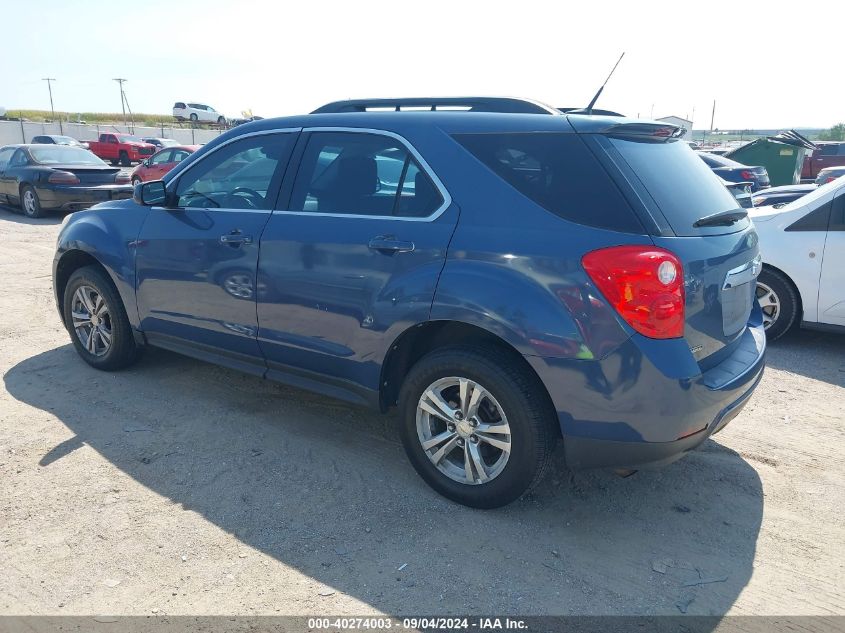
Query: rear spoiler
(612, 126)
(511, 105)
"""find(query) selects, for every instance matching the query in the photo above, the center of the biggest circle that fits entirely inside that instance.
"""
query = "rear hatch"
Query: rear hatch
(694, 216)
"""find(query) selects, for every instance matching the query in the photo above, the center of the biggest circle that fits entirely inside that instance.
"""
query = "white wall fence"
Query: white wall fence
(22, 132)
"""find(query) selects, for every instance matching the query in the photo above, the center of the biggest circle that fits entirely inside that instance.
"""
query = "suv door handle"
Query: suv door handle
(235, 238)
(389, 244)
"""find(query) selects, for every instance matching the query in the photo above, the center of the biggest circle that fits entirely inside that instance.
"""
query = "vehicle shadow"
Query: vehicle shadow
(16, 216)
(814, 354)
(326, 490)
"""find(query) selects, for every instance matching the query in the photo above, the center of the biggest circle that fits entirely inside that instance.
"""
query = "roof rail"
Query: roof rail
(511, 105)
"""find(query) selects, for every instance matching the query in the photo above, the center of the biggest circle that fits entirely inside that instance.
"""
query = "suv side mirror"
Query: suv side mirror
(150, 193)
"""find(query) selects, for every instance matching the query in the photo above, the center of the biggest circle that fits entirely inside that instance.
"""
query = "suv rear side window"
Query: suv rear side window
(558, 172)
(362, 174)
(681, 184)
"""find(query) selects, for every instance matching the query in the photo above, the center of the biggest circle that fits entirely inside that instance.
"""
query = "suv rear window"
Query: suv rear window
(558, 172)
(681, 184)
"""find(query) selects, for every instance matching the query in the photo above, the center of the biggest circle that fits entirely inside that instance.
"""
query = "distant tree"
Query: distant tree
(836, 133)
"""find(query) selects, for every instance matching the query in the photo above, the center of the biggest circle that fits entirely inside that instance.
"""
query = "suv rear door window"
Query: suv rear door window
(362, 174)
(682, 185)
(559, 172)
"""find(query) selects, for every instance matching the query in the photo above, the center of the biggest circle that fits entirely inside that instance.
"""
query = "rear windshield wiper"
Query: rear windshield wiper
(723, 218)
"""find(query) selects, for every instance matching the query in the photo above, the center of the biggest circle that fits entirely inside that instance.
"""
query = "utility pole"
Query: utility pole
(50, 81)
(712, 116)
(122, 99)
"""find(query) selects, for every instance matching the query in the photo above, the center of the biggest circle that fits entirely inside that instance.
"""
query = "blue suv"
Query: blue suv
(505, 280)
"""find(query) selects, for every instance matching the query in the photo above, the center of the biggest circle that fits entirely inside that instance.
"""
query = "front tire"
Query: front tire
(221, 120)
(97, 322)
(477, 427)
(778, 300)
(30, 203)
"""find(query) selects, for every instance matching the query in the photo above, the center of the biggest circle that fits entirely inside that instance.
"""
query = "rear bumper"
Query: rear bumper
(74, 197)
(646, 404)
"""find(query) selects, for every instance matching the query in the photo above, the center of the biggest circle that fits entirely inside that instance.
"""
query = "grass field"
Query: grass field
(140, 118)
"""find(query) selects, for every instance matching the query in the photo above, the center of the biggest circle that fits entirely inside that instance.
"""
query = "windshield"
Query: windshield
(681, 184)
(63, 155)
(64, 140)
(125, 138)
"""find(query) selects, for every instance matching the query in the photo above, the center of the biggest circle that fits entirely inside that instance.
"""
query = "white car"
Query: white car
(803, 248)
(197, 112)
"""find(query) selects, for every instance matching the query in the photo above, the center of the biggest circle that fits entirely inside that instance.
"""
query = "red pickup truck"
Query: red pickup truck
(830, 154)
(121, 148)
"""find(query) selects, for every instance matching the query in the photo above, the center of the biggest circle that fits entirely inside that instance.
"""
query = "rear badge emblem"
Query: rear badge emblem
(696, 349)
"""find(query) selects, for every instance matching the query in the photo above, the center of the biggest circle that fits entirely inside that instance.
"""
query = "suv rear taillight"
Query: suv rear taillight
(644, 284)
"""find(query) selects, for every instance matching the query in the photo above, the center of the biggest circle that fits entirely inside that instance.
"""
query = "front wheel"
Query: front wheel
(97, 322)
(778, 300)
(30, 202)
(221, 120)
(476, 426)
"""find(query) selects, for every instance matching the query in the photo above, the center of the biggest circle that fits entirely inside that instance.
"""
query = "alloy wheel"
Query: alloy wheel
(29, 205)
(463, 430)
(91, 320)
(769, 304)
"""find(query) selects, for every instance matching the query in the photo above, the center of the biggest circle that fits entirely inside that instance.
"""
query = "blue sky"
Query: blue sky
(767, 64)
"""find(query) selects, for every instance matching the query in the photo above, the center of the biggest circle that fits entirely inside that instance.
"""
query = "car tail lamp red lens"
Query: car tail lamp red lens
(644, 284)
(63, 178)
(747, 175)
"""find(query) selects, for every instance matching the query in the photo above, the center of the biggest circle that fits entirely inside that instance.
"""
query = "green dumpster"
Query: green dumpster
(782, 155)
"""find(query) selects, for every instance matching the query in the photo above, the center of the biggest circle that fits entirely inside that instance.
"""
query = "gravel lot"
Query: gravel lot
(178, 487)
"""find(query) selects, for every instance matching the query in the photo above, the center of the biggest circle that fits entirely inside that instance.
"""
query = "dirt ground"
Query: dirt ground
(178, 487)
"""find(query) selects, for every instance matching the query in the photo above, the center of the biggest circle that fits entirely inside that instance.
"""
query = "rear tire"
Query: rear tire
(136, 181)
(194, 117)
(778, 299)
(30, 203)
(90, 291)
(512, 398)
(124, 159)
